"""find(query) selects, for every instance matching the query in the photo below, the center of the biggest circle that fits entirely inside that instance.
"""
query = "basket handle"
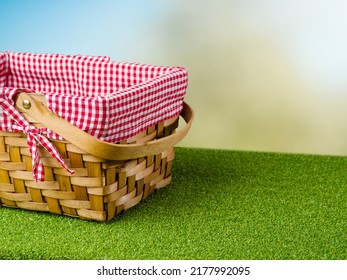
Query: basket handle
(91, 144)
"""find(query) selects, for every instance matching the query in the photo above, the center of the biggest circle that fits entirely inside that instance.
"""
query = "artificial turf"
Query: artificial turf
(220, 205)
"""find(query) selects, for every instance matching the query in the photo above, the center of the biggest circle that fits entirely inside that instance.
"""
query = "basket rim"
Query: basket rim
(96, 146)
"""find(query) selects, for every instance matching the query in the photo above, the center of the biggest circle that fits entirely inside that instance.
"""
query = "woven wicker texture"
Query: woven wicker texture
(98, 190)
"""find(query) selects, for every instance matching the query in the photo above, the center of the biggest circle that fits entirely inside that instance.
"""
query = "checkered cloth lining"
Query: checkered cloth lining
(111, 101)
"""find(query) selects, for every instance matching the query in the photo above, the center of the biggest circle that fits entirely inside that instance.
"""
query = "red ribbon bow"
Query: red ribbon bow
(34, 137)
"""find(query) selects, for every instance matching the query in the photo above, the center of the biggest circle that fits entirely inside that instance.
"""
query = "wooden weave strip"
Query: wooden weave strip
(98, 190)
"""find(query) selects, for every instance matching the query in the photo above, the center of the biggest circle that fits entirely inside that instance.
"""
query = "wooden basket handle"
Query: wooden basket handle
(28, 104)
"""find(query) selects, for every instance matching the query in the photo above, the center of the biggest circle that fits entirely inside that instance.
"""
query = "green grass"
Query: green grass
(220, 205)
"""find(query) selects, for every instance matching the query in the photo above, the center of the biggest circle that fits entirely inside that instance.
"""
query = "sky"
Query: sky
(312, 30)
(120, 29)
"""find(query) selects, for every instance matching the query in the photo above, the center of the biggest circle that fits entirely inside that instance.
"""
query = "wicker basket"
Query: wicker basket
(108, 178)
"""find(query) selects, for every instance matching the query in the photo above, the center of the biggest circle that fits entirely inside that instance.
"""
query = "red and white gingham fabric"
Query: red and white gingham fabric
(111, 101)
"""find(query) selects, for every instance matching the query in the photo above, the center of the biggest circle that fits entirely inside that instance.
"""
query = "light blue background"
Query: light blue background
(120, 29)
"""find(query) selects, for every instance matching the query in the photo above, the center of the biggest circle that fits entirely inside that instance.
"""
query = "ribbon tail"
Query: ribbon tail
(38, 167)
(53, 151)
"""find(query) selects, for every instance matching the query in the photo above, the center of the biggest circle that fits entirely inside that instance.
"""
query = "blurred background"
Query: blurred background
(263, 75)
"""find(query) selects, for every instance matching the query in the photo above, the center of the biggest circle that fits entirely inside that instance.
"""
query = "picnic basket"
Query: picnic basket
(49, 164)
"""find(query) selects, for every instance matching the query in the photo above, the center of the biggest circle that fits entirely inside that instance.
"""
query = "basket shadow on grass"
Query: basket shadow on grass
(220, 205)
